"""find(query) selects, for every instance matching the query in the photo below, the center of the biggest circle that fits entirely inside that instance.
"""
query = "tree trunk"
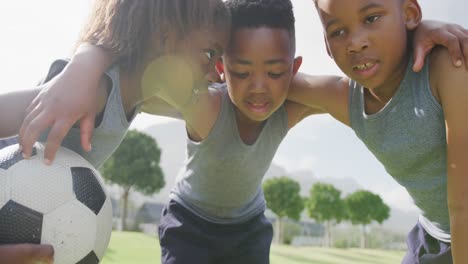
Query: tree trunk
(124, 211)
(328, 242)
(363, 237)
(277, 230)
(280, 230)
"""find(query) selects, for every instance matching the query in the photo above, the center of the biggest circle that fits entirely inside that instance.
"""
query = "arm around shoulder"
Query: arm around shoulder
(325, 94)
(70, 97)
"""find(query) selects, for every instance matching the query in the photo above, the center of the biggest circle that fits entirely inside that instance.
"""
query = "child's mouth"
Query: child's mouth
(258, 107)
(366, 70)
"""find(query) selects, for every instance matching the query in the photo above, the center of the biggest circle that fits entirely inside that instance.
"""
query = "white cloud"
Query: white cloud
(399, 198)
(143, 121)
(304, 162)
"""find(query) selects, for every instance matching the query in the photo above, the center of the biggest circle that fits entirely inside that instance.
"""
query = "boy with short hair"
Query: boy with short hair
(414, 123)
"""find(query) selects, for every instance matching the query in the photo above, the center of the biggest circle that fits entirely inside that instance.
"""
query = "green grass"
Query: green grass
(132, 248)
(137, 248)
(302, 255)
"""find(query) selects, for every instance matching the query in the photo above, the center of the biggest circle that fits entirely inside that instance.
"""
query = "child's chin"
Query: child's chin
(257, 117)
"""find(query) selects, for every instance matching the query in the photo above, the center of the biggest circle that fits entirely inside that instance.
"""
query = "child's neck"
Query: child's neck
(377, 98)
(249, 130)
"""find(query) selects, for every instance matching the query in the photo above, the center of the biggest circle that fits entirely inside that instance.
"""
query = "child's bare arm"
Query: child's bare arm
(12, 110)
(430, 33)
(27, 254)
(63, 102)
(451, 84)
(325, 94)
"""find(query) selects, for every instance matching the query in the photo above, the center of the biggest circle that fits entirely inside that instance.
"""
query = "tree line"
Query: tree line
(135, 166)
(324, 204)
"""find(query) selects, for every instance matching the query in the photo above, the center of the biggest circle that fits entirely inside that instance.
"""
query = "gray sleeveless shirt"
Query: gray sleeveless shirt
(111, 129)
(408, 137)
(221, 178)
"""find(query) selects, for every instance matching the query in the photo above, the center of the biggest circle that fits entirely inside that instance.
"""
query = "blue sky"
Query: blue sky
(36, 32)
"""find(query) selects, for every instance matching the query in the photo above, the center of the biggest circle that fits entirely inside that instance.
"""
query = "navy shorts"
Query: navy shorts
(425, 249)
(188, 239)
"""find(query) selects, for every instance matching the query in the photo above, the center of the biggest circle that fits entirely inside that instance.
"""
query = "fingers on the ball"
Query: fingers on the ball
(31, 115)
(32, 132)
(42, 253)
(54, 139)
(34, 104)
(86, 131)
(49, 252)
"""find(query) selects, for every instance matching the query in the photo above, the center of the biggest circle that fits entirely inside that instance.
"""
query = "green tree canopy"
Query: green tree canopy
(325, 206)
(325, 203)
(135, 165)
(363, 207)
(283, 198)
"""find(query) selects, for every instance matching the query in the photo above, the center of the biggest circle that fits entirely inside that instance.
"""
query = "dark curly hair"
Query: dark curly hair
(262, 13)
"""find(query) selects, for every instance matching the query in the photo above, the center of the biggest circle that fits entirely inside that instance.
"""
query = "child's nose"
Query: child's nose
(357, 43)
(258, 84)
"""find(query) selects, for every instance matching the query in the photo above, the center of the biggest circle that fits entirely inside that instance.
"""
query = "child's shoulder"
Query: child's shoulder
(441, 65)
(440, 60)
(442, 71)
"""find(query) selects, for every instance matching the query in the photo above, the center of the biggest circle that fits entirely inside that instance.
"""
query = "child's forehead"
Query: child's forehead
(329, 5)
(329, 9)
(238, 34)
(261, 43)
(278, 36)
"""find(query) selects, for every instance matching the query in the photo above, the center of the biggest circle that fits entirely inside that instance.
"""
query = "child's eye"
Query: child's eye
(275, 75)
(337, 33)
(240, 75)
(371, 19)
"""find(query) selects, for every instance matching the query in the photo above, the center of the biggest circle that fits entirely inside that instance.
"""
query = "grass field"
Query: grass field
(137, 248)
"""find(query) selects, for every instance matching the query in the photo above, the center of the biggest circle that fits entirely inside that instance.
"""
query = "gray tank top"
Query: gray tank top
(221, 178)
(112, 128)
(408, 137)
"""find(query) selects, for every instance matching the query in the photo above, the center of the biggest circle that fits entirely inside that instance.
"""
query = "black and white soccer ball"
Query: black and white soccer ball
(64, 204)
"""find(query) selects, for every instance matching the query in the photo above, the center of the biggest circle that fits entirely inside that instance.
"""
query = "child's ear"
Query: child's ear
(413, 14)
(297, 64)
(220, 68)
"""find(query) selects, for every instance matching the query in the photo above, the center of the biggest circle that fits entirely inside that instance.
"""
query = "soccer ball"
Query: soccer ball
(63, 205)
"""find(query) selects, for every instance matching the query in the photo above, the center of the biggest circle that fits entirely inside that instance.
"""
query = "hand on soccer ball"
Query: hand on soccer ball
(27, 254)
